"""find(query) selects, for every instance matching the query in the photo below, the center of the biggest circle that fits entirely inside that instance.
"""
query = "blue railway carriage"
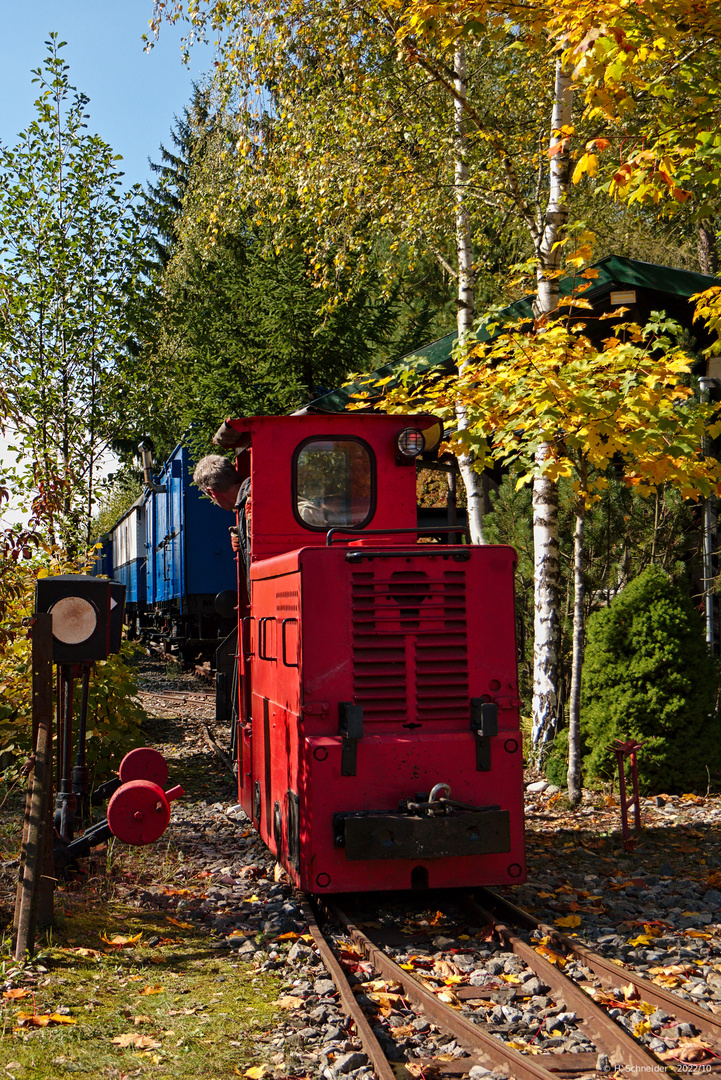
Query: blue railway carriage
(171, 549)
(127, 552)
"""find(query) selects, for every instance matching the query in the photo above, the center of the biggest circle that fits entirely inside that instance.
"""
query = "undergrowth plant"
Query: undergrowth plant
(648, 676)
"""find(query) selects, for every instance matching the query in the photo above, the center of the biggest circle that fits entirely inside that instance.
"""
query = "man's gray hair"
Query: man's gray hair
(216, 472)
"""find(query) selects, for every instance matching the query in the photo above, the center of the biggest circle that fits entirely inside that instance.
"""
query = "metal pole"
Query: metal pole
(32, 861)
(65, 802)
(705, 385)
(708, 572)
(80, 770)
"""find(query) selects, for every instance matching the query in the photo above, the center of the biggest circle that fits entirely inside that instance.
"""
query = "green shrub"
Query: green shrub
(556, 764)
(648, 676)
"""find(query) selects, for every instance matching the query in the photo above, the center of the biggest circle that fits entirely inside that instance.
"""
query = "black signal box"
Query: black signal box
(80, 606)
(117, 615)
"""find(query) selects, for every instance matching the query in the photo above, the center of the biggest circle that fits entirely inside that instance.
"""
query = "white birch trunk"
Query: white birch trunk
(466, 286)
(545, 492)
(573, 778)
(546, 623)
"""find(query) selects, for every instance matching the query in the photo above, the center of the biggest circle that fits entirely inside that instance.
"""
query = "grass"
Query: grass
(167, 1004)
(174, 1008)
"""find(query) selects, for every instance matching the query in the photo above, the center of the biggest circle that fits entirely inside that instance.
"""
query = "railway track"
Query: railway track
(200, 697)
(465, 1017)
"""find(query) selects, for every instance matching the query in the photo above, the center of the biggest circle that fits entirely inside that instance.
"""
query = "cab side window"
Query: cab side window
(334, 483)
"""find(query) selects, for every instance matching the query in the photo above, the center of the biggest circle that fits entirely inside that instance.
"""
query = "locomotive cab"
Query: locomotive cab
(378, 742)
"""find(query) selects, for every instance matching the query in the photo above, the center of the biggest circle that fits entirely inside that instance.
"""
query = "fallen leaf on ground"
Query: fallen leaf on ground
(139, 1042)
(15, 995)
(289, 1002)
(386, 1002)
(119, 940)
(147, 990)
(551, 956)
(43, 1020)
(570, 920)
(449, 997)
(688, 1050)
(255, 1072)
(182, 925)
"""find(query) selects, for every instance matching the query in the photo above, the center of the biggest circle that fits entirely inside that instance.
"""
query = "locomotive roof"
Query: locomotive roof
(662, 287)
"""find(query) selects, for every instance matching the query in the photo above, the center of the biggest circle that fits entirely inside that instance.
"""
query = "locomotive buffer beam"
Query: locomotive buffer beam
(398, 835)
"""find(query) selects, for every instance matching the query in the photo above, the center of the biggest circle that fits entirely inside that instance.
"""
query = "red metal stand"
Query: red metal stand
(628, 750)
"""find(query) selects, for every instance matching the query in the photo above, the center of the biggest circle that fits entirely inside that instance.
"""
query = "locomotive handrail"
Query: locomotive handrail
(263, 638)
(245, 627)
(285, 651)
(429, 530)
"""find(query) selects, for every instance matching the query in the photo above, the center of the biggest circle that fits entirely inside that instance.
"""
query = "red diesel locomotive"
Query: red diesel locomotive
(378, 743)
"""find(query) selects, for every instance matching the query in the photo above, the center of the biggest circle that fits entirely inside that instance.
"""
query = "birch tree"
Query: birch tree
(70, 262)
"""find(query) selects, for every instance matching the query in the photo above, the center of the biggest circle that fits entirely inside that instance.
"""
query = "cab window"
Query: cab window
(334, 483)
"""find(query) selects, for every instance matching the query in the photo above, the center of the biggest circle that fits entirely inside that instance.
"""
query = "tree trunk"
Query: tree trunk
(545, 492)
(466, 287)
(708, 260)
(574, 711)
(546, 623)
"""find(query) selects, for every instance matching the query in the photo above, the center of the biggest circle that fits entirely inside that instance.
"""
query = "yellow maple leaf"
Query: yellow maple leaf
(119, 940)
(642, 939)
(256, 1072)
(147, 990)
(551, 956)
(139, 1042)
(43, 1019)
(570, 920)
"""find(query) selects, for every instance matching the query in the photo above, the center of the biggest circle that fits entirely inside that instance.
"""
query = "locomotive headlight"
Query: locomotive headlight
(410, 442)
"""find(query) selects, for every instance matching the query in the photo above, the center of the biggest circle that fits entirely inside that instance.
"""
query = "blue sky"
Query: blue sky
(133, 95)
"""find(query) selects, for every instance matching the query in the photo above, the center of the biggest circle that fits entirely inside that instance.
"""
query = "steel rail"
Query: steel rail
(604, 1032)
(201, 696)
(490, 1051)
(610, 973)
(368, 1040)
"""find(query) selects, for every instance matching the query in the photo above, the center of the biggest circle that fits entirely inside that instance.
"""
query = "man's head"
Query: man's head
(217, 477)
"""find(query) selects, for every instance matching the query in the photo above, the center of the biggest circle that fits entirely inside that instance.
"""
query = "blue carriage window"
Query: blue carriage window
(334, 483)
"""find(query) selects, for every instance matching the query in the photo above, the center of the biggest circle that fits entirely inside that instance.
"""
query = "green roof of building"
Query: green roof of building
(673, 287)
